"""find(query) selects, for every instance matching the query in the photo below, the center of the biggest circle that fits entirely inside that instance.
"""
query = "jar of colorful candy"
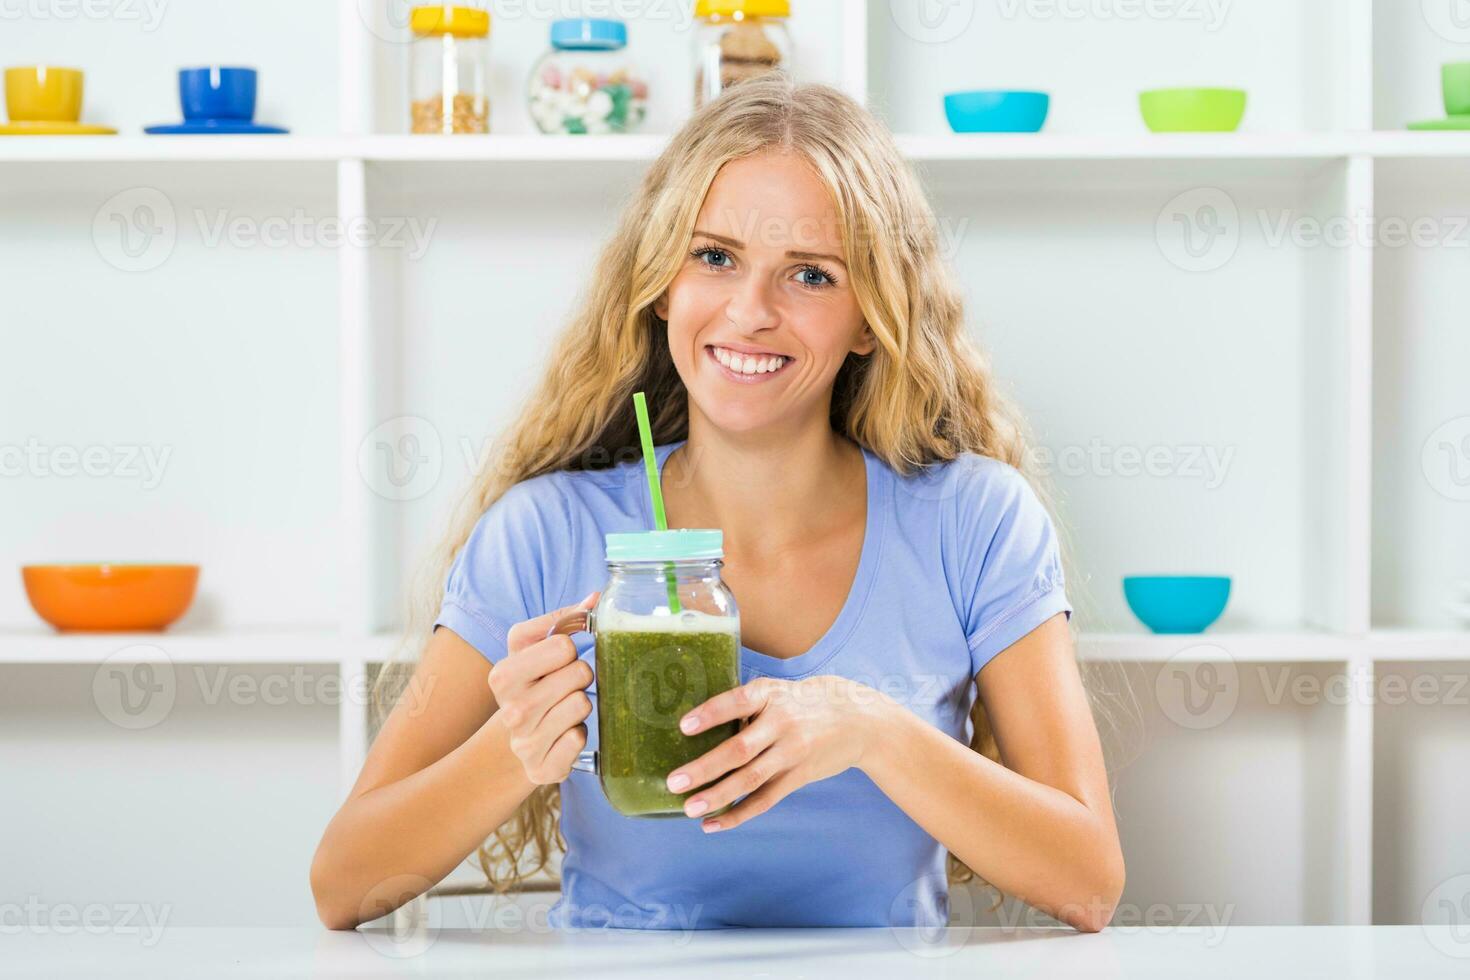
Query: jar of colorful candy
(448, 69)
(586, 83)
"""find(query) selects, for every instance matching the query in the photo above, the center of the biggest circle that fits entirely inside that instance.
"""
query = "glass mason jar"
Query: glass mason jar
(586, 83)
(449, 67)
(738, 39)
(653, 665)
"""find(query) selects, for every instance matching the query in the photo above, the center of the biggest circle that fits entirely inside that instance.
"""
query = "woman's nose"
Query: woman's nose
(752, 307)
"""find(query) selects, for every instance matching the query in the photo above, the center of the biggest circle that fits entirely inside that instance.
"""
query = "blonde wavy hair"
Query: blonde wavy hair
(924, 395)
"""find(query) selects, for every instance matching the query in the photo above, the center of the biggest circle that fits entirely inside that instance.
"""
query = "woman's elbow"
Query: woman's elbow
(1095, 914)
(333, 913)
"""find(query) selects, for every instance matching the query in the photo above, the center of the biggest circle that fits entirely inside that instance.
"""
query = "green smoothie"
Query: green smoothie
(651, 670)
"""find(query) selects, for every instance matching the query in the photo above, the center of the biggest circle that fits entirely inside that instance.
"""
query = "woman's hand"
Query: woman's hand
(541, 691)
(798, 732)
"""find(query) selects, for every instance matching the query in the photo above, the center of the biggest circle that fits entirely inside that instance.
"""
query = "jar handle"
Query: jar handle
(579, 621)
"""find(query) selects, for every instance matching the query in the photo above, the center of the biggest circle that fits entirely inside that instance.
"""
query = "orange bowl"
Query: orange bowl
(110, 597)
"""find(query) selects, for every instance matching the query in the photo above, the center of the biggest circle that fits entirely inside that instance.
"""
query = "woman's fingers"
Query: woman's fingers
(563, 716)
(532, 631)
(564, 751)
(736, 751)
(738, 702)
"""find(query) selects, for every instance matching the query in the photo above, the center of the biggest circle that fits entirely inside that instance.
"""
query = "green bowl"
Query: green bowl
(1192, 110)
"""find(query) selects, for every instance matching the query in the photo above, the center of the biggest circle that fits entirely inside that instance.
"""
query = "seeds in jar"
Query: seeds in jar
(467, 114)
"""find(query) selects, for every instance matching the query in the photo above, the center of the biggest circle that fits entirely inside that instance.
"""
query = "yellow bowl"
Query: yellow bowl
(43, 93)
(110, 597)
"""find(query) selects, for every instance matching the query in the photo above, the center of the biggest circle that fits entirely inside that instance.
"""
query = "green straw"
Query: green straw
(650, 468)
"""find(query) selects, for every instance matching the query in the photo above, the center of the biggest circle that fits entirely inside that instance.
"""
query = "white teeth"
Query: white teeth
(749, 363)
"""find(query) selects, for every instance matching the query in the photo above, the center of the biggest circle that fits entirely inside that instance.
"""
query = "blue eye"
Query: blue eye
(815, 277)
(709, 254)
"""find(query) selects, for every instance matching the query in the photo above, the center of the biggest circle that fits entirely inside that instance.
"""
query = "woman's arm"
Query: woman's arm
(1040, 827)
(439, 780)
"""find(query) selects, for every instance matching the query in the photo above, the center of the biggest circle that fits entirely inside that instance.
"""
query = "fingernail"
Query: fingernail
(678, 782)
(688, 724)
(697, 807)
(711, 826)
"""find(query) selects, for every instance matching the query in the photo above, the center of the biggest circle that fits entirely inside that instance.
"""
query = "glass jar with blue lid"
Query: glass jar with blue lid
(666, 638)
(587, 83)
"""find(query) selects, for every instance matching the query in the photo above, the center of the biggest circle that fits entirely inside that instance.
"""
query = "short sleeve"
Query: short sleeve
(1009, 566)
(502, 575)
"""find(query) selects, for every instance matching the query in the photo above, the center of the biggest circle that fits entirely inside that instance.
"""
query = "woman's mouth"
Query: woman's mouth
(747, 369)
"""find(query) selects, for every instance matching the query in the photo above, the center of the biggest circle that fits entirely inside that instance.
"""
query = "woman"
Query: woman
(775, 287)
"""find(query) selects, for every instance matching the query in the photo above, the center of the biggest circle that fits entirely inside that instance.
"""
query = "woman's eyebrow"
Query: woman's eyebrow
(736, 243)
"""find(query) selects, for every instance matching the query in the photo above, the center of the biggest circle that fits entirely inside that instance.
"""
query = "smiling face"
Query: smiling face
(762, 314)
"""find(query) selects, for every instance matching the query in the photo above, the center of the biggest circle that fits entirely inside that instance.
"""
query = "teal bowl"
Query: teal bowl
(996, 111)
(1177, 603)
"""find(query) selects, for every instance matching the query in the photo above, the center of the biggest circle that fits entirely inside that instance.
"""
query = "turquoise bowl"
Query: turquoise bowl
(1177, 603)
(996, 111)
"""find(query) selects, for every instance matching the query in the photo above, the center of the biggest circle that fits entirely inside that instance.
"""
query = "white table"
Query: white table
(853, 954)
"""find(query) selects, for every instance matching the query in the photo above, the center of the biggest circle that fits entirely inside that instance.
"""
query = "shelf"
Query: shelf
(327, 647)
(233, 647)
(1278, 147)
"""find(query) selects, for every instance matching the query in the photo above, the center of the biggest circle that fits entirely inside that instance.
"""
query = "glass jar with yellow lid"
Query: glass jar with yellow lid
(449, 69)
(738, 39)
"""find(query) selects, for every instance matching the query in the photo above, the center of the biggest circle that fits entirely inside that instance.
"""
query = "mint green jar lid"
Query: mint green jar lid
(679, 544)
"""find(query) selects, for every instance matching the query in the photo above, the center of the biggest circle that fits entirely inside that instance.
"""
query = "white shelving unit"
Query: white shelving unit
(1315, 367)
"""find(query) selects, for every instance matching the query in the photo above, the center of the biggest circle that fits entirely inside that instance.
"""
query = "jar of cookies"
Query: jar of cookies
(449, 69)
(586, 83)
(738, 39)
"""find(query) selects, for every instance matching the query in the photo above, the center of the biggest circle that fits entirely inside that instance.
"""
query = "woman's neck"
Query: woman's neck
(770, 492)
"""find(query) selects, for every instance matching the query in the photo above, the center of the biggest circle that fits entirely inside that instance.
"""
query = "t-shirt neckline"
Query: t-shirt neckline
(857, 597)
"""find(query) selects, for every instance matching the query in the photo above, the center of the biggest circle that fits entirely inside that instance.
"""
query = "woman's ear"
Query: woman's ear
(661, 306)
(867, 342)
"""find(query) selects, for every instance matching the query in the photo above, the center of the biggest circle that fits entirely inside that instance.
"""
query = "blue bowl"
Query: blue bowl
(217, 93)
(996, 111)
(1176, 603)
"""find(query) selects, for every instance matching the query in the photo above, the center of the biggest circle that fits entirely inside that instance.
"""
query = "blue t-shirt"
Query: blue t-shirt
(958, 562)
